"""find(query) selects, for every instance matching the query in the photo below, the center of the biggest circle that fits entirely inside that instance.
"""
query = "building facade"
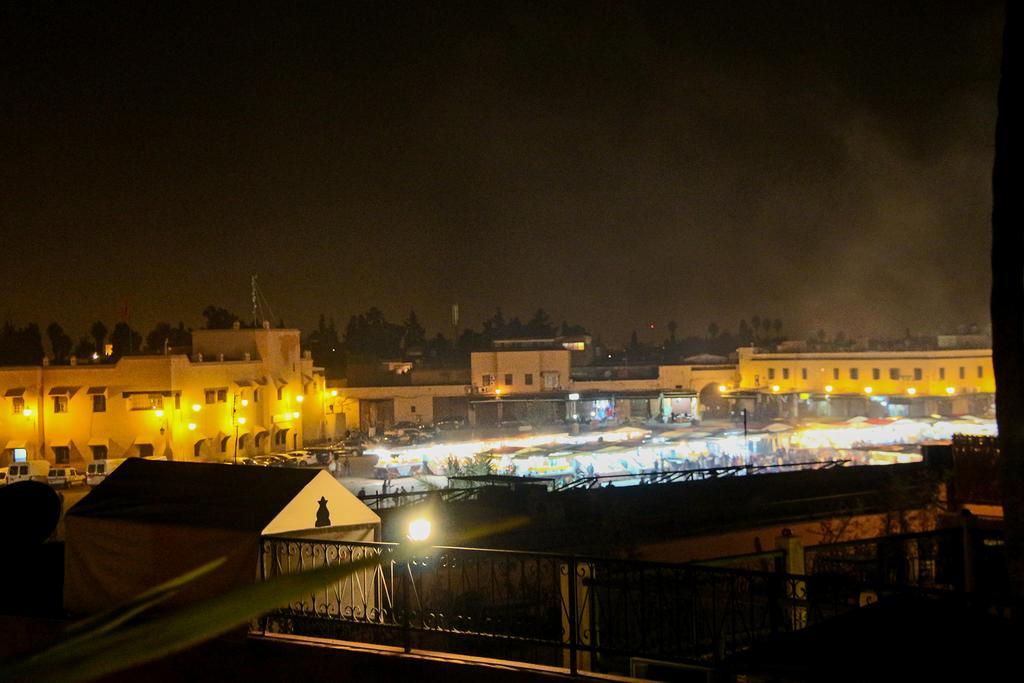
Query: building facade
(537, 381)
(242, 392)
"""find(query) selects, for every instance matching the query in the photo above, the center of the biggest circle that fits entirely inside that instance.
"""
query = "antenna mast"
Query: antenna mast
(255, 322)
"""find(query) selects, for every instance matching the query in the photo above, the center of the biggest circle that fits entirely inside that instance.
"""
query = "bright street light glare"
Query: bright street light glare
(419, 529)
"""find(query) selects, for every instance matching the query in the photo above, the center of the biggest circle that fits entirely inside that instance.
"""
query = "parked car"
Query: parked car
(276, 460)
(65, 477)
(450, 424)
(302, 457)
(3, 476)
(97, 470)
(30, 470)
(515, 426)
(400, 428)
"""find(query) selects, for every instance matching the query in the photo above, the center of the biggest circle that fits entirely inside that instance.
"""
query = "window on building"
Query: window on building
(835, 373)
(99, 452)
(177, 401)
(222, 396)
(211, 396)
(528, 378)
(963, 372)
(18, 405)
(771, 373)
(785, 373)
(146, 402)
(145, 450)
(486, 380)
(61, 455)
(412, 409)
(255, 395)
(942, 373)
(60, 404)
(224, 444)
(197, 449)
(508, 379)
(854, 373)
(918, 374)
(981, 371)
(803, 373)
(99, 403)
(280, 393)
(552, 380)
(894, 373)
(876, 373)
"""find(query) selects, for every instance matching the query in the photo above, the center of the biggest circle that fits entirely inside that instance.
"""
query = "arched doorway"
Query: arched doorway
(713, 403)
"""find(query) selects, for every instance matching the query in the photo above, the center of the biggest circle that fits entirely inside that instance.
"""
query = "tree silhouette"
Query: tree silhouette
(414, 335)
(85, 347)
(99, 333)
(165, 334)
(60, 343)
(124, 340)
(219, 318)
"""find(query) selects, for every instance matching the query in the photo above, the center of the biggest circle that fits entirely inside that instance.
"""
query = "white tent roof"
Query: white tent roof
(301, 512)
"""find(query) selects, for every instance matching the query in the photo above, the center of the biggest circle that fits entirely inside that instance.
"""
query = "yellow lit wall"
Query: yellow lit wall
(928, 373)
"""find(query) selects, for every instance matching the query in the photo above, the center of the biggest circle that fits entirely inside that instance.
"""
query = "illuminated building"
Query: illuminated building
(541, 379)
(240, 387)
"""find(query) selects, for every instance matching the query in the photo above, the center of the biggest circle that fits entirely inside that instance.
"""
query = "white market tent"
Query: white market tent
(151, 521)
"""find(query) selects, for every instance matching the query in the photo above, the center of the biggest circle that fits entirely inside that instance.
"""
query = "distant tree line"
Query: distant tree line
(370, 337)
(25, 345)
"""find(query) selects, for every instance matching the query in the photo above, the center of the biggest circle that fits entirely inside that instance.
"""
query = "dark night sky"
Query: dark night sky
(612, 162)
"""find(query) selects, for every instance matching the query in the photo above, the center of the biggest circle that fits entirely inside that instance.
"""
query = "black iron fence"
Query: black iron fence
(696, 474)
(954, 559)
(573, 612)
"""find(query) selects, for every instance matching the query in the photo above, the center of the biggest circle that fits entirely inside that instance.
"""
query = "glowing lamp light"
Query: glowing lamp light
(196, 407)
(950, 390)
(828, 388)
(191, 426)
(296, 415)
(241, 420)
(419, 529)
(722, 388)
(868, 390)
(497, 392)
(95, 356)
(775, 388)
(574, 397)
(245, 402)
(300, 398)
(334, 392)
(911, 391)
(27, 412)
(159, 413)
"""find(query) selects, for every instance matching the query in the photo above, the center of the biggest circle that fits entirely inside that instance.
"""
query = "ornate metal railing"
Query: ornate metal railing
(573, 612)
(956, 559)
(670, 476)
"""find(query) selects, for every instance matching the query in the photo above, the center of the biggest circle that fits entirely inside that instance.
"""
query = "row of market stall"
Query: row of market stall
(639, 450)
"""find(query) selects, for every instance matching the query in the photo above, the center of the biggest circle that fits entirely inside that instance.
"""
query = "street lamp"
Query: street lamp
(235, 420)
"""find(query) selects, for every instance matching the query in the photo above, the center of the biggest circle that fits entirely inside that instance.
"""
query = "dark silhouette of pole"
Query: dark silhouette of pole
(1007, 303)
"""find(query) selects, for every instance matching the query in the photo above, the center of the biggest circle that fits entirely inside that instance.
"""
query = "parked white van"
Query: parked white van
(30, 470)
(97, 470)
(64, 477)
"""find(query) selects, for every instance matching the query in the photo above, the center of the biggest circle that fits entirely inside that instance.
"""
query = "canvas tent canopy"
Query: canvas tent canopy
(150, 521)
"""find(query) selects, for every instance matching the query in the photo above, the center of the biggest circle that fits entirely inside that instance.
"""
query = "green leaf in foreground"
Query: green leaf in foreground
(104, 650)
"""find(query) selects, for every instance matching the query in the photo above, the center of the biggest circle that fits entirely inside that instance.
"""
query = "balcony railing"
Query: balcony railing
(572, 612)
